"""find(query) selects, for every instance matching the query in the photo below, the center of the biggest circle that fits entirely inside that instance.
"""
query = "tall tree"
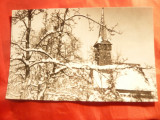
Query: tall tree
(42, 57)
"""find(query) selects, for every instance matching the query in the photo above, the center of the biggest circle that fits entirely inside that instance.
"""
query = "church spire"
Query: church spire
(102, 31)
(103, 47)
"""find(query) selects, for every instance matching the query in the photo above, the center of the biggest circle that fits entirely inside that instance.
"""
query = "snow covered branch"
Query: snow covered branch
(84, 66)
(32, 50)
(47, 61)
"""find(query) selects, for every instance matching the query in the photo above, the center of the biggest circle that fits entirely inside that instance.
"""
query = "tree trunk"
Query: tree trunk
(26, 92)
(27, 41)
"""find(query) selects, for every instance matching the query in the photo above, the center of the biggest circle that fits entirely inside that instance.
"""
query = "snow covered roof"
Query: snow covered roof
(101, 41)
(131, 79)
(127, 78)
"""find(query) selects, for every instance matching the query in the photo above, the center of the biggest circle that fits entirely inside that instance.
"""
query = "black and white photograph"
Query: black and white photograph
(83, 54)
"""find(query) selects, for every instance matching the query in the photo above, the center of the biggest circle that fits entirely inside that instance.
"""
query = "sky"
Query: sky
(136, 42)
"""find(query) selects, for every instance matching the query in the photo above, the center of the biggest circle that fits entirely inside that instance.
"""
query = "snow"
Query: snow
(53, 60)
(100, 39)
(92, 66)
(59, 69)
(130, 79)
(126, 78)
(29, 49)
(100, 79)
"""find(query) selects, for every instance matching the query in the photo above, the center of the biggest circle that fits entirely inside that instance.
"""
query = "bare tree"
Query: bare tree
(40, 60)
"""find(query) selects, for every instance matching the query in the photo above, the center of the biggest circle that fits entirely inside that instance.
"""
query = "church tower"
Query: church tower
(103, 47)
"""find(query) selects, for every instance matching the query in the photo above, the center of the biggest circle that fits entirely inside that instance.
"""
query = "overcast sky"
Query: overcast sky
(136, 24)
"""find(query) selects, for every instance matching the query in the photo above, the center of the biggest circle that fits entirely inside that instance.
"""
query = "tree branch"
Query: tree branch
(52, 33)
(20, 59)
(25, 24)
(110, 30)
(32, 50)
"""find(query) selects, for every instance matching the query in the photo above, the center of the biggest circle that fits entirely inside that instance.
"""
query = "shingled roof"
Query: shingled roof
(101, 41)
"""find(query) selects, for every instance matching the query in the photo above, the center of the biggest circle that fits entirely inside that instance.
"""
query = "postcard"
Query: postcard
(82, 54)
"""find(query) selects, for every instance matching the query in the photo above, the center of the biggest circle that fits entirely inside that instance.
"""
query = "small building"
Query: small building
(103, 52)
(103, 46)
(129, 79)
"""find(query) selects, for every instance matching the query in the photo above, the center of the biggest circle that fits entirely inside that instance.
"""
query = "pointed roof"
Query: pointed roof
(102, 31)
(102, 38)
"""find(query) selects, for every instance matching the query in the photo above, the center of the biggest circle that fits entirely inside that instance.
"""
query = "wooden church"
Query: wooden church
(130, 82)
(103, 47)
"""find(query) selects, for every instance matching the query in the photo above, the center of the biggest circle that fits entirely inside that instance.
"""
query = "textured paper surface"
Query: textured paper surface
(82, 54)
(64, 110)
